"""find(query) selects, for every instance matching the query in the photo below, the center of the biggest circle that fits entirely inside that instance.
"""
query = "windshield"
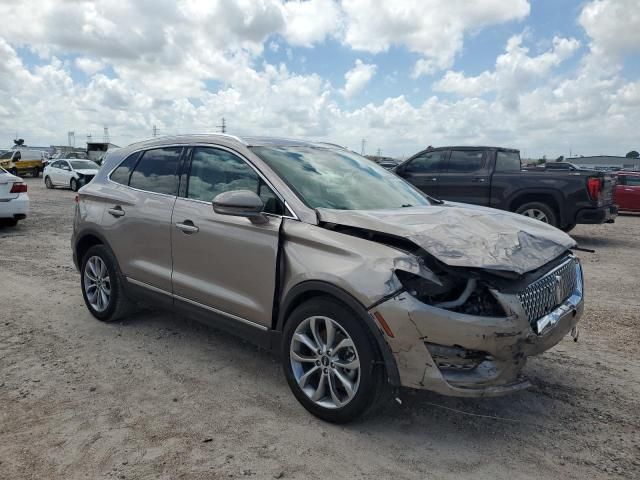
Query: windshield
(338, 179)
(83, 164)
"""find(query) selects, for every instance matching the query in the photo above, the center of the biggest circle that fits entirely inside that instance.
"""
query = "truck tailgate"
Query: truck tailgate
(608, 186)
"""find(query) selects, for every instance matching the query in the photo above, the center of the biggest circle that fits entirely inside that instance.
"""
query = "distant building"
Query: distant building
(606, 162)
(96, 149)
(67, 149)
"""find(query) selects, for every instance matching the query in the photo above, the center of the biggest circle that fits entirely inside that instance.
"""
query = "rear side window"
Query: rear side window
(123, 172)
(427, 162)
(465, 161)
(156, 171)
(508, 162)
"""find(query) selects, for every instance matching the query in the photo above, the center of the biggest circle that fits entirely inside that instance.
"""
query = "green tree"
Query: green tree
(633, 154)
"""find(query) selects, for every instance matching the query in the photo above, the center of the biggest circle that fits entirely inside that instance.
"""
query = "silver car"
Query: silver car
(360, 282)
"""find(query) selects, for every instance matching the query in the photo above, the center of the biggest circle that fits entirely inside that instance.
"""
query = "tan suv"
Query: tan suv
(360, 282)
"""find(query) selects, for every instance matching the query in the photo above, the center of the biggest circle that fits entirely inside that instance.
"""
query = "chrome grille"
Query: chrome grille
(545, 294)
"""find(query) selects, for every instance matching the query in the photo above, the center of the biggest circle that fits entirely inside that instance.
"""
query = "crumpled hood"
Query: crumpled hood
(465, 235)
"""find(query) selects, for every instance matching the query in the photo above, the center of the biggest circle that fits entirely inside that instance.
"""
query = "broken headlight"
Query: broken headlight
(457, 294)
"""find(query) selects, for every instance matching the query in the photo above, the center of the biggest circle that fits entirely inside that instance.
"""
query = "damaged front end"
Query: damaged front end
(470, 331)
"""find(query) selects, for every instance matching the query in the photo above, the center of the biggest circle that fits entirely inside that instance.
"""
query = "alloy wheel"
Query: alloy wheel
(325, 362)
(97, 284)
(537, 214)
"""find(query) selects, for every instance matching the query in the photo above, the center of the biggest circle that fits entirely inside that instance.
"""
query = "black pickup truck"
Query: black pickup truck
(494, 177)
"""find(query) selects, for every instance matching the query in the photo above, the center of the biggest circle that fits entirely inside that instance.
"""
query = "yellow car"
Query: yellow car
(23, 161)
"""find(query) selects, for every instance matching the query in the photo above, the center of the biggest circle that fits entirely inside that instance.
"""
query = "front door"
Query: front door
(424, 171)
(224, 262)
(466, 178)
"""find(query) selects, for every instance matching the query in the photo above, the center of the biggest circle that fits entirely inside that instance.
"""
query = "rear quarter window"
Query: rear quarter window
(123, 172)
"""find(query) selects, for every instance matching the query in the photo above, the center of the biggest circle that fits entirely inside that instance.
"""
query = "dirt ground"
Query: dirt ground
(161, 397)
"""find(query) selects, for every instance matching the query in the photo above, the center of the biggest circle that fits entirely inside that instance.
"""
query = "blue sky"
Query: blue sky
(400, 74)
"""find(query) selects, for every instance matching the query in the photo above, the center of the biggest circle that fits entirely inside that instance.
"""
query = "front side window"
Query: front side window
(6, 155)
(215, 171)
(338, 179)
(465, 161)
(156, 171)
(508, 162)
(429, 162)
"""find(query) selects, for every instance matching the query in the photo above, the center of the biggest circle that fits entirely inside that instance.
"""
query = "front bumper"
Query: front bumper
(606, 214)
(497, 347)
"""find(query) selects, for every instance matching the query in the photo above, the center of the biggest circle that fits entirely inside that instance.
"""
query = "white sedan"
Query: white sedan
(14, 201)
(70, 173)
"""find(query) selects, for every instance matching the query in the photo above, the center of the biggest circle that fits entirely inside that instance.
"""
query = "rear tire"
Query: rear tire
(102, 285)
(8, 222)
(328, 383)
(74, 184)
(539, 211)
(48, 183)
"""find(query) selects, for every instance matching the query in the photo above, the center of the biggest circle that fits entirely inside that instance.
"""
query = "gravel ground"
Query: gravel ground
(159, 396)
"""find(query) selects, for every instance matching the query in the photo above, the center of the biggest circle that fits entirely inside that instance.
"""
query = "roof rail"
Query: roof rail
(149, 140)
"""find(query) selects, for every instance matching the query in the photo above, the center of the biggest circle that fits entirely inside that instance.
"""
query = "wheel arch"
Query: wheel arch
(310, 289)
(549, 198)
(84, 242)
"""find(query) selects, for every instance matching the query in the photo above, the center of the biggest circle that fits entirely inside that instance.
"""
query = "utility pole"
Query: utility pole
(71, 136)
(379, 153)
(364, 143)
(155, 131)
(106, 134)
(223, 126)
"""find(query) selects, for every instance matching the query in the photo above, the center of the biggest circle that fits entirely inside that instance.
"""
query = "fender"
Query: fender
(323, 287)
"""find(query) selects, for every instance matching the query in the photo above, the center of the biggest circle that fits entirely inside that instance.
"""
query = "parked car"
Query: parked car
(14, 200)
(70, 173)
(23, 161)
(560, 166)
(358, 280)
(493, 177)
(627, 191)
(65, 156)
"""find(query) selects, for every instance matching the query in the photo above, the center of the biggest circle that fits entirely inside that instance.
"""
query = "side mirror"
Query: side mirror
(240, 203)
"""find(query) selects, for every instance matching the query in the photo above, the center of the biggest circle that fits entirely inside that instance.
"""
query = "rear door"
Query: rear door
(424, 171)
(627, 192)
(467, 177)
(137, 220)
(224, 263)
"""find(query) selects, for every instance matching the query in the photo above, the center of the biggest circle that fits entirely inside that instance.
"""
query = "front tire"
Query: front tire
(539, 211)
(48, 183)
(74, 185)
(331, 361)
(103, 285)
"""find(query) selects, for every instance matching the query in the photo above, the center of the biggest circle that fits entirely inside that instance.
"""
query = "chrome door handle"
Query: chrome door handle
(434, 179)
(478, 179)
(187, 227)
(116, 211)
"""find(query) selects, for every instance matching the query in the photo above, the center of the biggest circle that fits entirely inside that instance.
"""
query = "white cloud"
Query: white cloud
(155, 64)
(310, 21)
(88, 65)
(357, 78)
(613, 25)
(514, 71)
(432, 28)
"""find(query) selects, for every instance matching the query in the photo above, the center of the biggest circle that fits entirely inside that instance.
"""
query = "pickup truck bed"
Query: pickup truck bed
(493, 177)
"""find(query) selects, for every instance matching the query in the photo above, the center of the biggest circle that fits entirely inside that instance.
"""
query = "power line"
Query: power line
(223, 126)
